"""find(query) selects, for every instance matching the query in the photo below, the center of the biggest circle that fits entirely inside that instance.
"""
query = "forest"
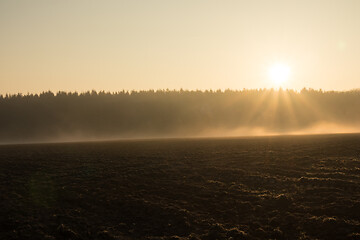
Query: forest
(171, 113)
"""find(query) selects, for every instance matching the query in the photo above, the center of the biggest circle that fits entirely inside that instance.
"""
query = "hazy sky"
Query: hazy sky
(114, 45)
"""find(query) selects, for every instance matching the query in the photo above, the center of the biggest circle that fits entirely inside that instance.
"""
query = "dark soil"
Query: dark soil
(290, 187)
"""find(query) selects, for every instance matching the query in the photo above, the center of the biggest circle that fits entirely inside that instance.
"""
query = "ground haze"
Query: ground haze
(164, 113)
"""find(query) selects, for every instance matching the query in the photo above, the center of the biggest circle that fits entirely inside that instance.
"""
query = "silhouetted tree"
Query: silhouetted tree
(167, 112)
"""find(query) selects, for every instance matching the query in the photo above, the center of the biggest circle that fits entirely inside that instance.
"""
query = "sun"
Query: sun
(279, 73)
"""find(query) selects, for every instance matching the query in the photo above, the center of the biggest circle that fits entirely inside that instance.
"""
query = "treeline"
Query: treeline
(170, 113)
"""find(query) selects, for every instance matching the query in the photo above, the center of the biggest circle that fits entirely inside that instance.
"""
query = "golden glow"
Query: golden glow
(279, 73)
(113, 45)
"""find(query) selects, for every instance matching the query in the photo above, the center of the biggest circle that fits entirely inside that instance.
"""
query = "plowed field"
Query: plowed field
(289, 187)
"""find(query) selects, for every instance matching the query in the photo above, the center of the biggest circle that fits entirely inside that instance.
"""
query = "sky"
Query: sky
(112, 45)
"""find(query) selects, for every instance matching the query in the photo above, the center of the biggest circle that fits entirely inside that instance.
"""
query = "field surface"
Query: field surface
(290, 187)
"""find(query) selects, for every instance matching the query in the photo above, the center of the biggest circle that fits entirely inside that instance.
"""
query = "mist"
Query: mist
(72, 116)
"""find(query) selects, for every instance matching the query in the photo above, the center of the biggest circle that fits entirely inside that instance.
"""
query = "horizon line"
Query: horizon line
(130, 91)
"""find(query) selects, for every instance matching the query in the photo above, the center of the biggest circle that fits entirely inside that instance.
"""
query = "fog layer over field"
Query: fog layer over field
(99, 115)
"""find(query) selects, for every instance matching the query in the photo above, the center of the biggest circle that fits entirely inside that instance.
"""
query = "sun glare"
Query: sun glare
(279, 73)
